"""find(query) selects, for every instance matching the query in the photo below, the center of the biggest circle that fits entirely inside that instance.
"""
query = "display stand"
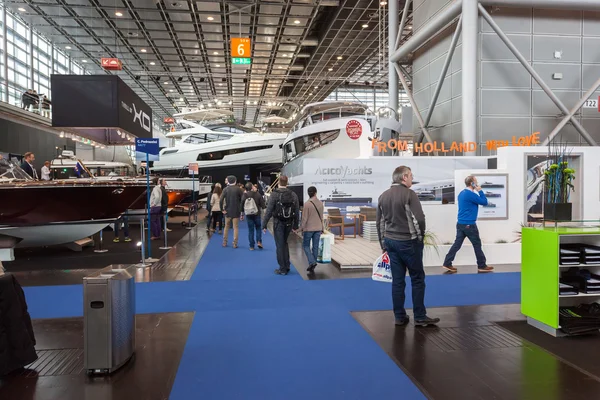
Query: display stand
(541, 271)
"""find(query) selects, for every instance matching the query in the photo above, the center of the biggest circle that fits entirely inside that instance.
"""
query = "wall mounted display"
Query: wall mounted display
(351, 183)
(534, 186)
(495, 187)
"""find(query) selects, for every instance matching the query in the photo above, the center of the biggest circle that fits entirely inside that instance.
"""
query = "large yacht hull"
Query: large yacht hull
(219, 173)
(51, 234)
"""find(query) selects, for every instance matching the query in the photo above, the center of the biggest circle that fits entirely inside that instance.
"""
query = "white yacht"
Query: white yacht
(220, 149)
(337, 130)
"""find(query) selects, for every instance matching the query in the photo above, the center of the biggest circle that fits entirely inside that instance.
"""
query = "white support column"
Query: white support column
(392, 75)
(470, 15)
(31, 73)
(4, 55)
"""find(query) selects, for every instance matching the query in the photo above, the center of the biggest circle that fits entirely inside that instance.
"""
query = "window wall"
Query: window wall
(374, 98)
(31, 60)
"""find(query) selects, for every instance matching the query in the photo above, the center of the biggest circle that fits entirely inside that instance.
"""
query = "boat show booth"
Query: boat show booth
(512, 181)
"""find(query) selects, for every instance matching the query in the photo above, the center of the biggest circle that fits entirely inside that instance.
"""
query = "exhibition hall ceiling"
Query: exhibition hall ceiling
(176, 54)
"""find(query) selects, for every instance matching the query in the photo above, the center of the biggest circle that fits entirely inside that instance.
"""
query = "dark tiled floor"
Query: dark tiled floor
(69, 268)
(58, 374)
(469, 356)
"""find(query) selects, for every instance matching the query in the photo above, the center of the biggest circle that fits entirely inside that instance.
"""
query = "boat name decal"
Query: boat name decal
(344, 171)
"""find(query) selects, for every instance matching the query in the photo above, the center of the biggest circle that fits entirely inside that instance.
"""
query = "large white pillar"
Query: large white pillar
(393, 88)
(470, 33)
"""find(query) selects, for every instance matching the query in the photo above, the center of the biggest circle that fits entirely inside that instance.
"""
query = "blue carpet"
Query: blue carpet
(257, 335)
(286, 354)
(219, 263)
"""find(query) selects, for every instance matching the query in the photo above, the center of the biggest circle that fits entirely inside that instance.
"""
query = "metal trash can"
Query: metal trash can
(109, 318)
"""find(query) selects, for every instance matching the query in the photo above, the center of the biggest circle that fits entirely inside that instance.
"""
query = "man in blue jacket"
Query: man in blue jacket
(469, 201)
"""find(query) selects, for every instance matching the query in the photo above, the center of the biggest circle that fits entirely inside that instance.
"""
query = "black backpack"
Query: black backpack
(285, 207)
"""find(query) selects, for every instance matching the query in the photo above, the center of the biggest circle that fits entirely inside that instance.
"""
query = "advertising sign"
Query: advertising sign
(149, 146)
(135, 115)
(111, 64)
(351, 183)
(193, 168)
(495, 188)
(354, 129)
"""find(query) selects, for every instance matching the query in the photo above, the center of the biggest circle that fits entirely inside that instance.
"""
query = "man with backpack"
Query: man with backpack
(252, 203)
(284, 208)
(230, 203)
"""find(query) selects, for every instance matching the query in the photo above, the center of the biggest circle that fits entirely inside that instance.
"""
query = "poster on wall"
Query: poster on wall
(349, 184)
(495, 188)
(534, 196)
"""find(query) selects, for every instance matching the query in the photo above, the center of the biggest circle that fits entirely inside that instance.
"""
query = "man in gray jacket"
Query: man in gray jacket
(401, 228)
(230, 203)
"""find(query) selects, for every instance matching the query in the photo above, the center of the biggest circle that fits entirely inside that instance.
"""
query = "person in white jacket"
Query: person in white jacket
(155, 206)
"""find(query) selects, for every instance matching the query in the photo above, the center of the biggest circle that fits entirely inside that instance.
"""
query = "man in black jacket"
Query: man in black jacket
(230, 205)
(164, 205)
(401, 228)
(285, 209)
(27, 165)
(251, 204)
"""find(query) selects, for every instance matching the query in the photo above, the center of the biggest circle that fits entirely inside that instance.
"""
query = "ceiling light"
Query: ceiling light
(220, 84)
(280, 67)
(216, 53)
(383, 3)
(409, 27)
(21, 9)
(365, 25)
(316, 87)
(222, 91)
(310, 94)
(248, 102)
(330, 69)
(210, 18)
(143, 50)
(230, 102)
(68, 47)
(339, 57)
(84, 61)
(119, 14)
(170, 90)
(297, 22)
(218, 65)
(152, 63)
(256, 102)
(166, 82)
(181, 99)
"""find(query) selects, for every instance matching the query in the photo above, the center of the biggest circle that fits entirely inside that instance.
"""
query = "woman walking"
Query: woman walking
(215, 208)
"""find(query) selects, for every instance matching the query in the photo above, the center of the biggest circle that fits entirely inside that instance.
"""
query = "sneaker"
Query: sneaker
(251, 248)
(127, 239)
(426, 321)
(450, 269)
(311, 268)
(487, 268)
(402, 322)
(235, 246)
(260, 245)
(281, 272)
(116, 240)
(169, 230)
(224, 244)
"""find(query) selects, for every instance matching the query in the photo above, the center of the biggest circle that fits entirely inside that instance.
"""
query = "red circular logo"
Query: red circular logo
(354, 129)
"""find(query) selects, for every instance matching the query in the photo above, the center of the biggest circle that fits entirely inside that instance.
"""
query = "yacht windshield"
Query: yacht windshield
(199, 138)
(10, 170)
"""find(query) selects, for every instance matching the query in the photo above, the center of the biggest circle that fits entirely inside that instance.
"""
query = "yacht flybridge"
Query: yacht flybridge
(219, 148)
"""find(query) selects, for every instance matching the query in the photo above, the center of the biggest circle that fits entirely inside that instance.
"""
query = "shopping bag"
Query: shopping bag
(382, 269)
(324, 255)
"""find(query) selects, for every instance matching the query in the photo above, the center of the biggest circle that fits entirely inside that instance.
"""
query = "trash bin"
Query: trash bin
(109, 318)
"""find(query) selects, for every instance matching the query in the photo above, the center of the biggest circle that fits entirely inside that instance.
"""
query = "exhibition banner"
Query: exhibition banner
(351, 183)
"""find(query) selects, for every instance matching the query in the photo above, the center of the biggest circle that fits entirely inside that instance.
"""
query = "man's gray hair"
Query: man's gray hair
(400, 173)
(469, 180)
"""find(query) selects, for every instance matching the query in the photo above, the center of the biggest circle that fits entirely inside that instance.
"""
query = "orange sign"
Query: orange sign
(111, 64)
(241, 47)
(458, 147)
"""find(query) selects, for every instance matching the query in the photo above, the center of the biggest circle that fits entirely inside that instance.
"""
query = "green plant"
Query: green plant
(500, 241)
(430, 239)
(519, 232)
(558, 177)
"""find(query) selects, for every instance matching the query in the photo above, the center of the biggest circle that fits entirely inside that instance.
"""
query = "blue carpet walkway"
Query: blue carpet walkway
(257, 335)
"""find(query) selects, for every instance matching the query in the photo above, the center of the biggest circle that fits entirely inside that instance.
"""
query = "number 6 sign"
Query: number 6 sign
(240, 47)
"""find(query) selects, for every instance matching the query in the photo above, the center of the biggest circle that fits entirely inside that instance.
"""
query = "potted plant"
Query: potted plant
(558, 182)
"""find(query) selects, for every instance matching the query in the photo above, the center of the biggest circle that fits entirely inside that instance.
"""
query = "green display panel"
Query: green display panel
(238, 60)
(539, 275)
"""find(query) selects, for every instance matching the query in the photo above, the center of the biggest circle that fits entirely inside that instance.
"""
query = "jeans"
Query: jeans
(407, 254)
(208, 219)
(155, 221)
(217, 218)
(236, 230)
(313, 254)
(125, 222)
(163, 213)
(254, 224)
(462, 232)
(281, 231)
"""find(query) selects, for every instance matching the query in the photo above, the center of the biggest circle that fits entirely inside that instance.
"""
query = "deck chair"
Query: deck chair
(336, 220)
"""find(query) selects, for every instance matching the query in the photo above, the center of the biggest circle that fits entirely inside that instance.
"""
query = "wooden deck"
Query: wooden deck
(354, 253)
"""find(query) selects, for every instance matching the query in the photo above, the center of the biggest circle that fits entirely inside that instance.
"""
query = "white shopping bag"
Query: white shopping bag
(324, 249)
(382, 270)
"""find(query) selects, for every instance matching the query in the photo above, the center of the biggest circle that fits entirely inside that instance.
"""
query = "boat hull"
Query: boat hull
(35, 204)
(52, 234)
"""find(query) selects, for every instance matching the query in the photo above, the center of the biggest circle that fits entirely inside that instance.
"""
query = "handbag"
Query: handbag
(382, 269)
